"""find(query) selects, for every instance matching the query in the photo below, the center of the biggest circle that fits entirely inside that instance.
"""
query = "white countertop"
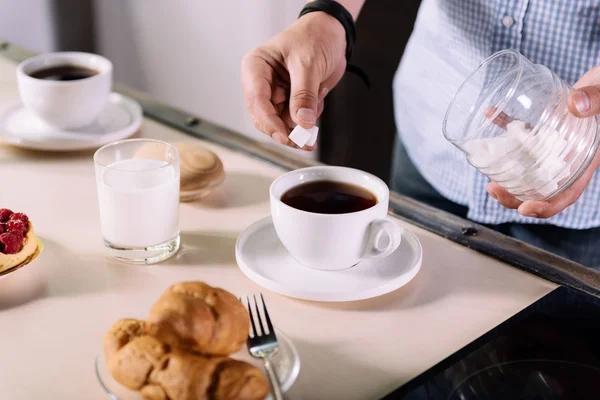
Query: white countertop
(53, 317)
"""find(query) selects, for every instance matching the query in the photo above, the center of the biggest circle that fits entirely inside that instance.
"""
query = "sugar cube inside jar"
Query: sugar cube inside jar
(510, 119)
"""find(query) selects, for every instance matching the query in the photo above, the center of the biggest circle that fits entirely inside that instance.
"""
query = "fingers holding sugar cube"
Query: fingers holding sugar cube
(303, 137)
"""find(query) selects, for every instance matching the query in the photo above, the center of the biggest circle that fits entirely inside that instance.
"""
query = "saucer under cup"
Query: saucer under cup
(120, 119)
(263, 259)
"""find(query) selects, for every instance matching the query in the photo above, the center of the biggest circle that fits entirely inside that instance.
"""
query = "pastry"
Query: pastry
(142, 362)
(18, 244)
(121, 333)
(197, 317)
(187, 376)
(201, 171)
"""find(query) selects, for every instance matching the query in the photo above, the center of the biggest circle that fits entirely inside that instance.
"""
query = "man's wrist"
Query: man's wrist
(332, 25)
(353, 6)
(338, 12)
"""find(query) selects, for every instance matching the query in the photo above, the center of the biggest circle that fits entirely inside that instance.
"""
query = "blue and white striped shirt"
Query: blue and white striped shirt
(451, 38)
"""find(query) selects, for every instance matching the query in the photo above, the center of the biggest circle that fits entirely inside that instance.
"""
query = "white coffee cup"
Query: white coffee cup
(65, 104)
(334, 241)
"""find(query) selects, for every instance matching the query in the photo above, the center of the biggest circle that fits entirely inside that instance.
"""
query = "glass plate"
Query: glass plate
(286, 361)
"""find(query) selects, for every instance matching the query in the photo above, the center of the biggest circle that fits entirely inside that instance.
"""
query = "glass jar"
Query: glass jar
(511, 120)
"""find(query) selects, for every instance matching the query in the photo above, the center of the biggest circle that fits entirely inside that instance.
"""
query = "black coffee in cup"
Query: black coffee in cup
(63, 73)
(329, 197)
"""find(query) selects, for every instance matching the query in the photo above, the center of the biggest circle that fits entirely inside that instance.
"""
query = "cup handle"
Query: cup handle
(383, 238)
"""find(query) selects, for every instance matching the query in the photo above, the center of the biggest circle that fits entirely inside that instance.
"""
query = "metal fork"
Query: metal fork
(264, 345)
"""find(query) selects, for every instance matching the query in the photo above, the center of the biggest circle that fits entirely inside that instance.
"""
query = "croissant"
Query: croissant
(142, 362)
(197, 317)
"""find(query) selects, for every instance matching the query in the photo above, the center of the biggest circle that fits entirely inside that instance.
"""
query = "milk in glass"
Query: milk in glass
(139, 202)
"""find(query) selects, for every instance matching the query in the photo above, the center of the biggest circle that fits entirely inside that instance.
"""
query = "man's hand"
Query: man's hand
(286, 80)
(583, 102)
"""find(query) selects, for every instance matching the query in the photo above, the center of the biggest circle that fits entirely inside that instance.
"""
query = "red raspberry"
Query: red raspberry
(11, 242)
(20, 217)
(19, 235)
(2, 228)
(16, 226)
(5, 214)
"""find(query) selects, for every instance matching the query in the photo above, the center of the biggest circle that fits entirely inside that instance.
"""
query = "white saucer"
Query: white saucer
(120, 119)
(263, 259)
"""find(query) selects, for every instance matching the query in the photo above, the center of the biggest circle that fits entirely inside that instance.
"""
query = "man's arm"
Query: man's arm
(286, 80)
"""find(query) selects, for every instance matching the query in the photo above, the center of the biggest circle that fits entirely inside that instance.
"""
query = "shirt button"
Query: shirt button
(508, 21)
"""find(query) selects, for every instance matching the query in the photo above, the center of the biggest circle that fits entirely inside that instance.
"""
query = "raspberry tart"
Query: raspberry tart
(18, 244)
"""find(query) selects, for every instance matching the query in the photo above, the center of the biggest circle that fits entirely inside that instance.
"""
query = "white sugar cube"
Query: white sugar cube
(299, 136)
(517, 128)
(509, 174)
(502, 146)
(548, 189)
(314, 132)
(524, 161)
(565, 173)
(302, 136)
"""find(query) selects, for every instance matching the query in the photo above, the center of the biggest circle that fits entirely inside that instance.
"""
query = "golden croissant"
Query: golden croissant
(158, 371)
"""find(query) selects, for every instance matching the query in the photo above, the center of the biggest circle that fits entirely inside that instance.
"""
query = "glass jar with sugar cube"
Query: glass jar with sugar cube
(511, 120)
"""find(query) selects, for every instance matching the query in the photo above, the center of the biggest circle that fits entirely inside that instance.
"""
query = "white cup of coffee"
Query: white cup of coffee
(330, 218)
(67, 90)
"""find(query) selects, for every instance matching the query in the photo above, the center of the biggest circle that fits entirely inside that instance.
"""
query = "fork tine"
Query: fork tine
(251, 317)
(271, 330)
(262, 328)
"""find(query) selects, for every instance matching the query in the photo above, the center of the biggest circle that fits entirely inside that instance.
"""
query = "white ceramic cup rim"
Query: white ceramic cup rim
(380, 199)
(76, 58)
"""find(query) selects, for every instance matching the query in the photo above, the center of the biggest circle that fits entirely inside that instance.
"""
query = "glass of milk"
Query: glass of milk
(510, 119)
(138, 197)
